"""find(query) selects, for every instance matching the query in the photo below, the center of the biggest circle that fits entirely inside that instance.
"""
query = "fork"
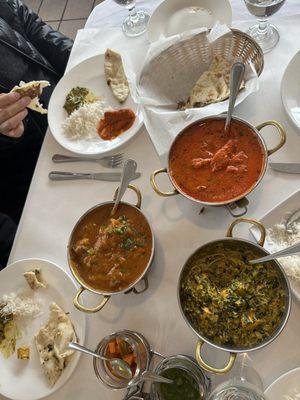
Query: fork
(107, 161)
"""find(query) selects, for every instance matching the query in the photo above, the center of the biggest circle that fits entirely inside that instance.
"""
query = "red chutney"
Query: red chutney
(212, 166)
(115, 122)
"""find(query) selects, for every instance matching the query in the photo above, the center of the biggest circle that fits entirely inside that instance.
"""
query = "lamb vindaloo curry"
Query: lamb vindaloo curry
(110, 253)
(228, 300)
(211, 165)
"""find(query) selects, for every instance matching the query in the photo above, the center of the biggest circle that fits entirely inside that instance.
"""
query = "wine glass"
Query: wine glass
(136, 22)
(242, 383)
(264, 33)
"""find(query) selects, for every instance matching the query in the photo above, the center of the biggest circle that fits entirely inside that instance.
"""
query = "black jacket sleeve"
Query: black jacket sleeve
(54, 46)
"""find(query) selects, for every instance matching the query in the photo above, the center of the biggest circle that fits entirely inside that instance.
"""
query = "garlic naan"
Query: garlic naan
(213, 85)
(115, 75)
(52, 343)
(33, 90)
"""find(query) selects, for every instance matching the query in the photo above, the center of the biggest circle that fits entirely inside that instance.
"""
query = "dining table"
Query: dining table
(53, 208)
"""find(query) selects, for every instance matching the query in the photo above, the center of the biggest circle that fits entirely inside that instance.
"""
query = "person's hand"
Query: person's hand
(12, 112)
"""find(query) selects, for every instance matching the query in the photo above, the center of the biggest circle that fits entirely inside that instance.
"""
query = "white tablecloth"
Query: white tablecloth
(52, 209)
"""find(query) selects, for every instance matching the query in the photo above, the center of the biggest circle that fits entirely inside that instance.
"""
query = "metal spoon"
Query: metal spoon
(150, 377)
(295, 216)
(289, 251)
(128, 173)
(118, 366)
(236, 77)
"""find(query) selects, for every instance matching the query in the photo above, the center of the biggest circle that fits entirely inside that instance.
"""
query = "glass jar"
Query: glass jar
(189, 365)
(140, 348)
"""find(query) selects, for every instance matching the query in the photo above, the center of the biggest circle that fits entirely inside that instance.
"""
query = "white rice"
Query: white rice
(82, 123)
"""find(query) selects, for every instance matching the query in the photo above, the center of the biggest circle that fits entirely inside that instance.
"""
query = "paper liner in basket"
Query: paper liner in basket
(170, 69)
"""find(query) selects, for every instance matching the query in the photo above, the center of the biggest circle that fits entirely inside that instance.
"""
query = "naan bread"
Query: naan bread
(34, 90)
(34, 279)
(115, 76)
(213, 85)
(52, 343)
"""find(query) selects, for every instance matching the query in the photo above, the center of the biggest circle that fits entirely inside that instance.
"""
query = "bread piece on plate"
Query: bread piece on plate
(34, 279)
(33, 90)
(115, 75)
(52, 343)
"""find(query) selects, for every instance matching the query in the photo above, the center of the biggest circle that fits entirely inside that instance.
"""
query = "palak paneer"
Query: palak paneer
(229, 301)
(109, 253)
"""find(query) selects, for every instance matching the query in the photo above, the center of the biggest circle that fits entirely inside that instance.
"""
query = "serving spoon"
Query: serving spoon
(289, 251)
(236, 78)
(118, 366)
(128, 174)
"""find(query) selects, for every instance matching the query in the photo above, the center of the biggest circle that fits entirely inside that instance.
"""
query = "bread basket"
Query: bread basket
(169, 76)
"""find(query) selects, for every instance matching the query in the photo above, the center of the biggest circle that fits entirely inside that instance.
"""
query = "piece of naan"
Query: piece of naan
(34, 279)
(115, 75)
(52, 343)
(213, 85)
(33, 90)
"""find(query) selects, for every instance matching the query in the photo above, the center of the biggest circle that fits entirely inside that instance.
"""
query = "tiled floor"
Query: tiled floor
(66, 16)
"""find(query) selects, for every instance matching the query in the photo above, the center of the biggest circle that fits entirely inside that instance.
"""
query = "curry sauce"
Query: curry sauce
(110, 253)
(214, 166)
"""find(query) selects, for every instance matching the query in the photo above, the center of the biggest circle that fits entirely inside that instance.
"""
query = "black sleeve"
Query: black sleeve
(54, 46)
(7, 234)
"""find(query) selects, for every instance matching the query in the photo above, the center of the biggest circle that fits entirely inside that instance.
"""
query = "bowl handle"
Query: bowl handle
(209, 368)
(251, 221)
(280, 130)
(81, 307)
(155, 187)
(138, 193)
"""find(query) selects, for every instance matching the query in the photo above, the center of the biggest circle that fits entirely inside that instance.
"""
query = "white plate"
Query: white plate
(286, 387)
(274, 217)
(21, 379)
(176, 16)
(290, 90)
(89, 74)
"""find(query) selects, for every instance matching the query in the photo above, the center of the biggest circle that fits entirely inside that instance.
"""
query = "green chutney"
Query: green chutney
(184, 386)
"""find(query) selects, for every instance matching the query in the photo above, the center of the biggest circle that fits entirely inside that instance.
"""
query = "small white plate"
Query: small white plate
(176, 16)
(290, 90)
(274, 217)
(24, 379)
(89, 74)
(286, 387)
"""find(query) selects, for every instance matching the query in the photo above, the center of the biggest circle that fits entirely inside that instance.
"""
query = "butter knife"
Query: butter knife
(101, 176)
(289, 168)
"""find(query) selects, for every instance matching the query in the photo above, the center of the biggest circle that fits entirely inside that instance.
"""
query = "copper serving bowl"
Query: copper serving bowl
(234, 351)
(106, 295)
(239, 202)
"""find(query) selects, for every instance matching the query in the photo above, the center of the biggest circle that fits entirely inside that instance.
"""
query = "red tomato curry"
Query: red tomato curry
(210, 165)
(110, 253)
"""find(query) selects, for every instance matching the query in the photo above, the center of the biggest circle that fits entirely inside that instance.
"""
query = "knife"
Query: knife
(101, 176)
(289, 168)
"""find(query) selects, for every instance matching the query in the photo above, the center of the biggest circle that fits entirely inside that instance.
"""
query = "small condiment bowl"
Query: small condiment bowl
(141, 349)
(239, 203)
(130, 288)
(234, 351)
(187, 364)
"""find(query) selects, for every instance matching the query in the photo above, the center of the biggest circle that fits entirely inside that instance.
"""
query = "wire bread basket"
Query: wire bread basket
(168, 78)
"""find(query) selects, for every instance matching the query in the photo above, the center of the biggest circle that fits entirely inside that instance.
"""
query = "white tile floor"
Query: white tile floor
(66, 16)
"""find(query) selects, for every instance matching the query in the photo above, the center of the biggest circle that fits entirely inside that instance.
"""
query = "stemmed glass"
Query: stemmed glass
(136, 22)
(264, 33)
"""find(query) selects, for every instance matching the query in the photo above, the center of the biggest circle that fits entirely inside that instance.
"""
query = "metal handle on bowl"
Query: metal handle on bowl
(155, 187)
(136, 291)
(138, 193)
(208, 367)
(240, 204)
(251, 221)
(81, 307)
(280, 130)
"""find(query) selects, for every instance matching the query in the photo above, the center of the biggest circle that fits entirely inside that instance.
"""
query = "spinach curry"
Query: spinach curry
(229, 301)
